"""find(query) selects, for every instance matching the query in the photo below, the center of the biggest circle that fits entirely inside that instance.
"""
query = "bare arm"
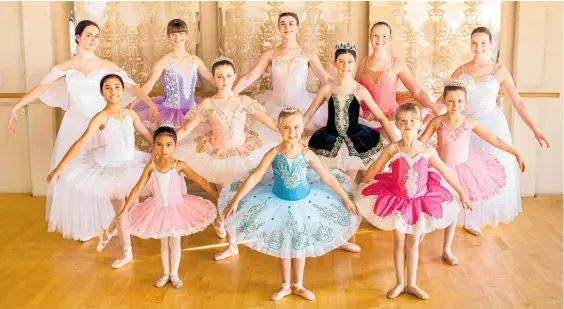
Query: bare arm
(448, 176)
(329, 180)
(378, 114)
(495, 141)
(430, 130)
(257, 111)
(134, 194)
(251, 181)
(378, 166)
(318, 69)
(255, 73)
(416, 91)
(204, 184)
(193, 119)
(320, 98)
(140, 127)
(204, 72)
(156, 71)
(508, 86)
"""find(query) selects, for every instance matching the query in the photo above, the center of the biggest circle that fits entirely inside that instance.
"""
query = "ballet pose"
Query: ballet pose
(294, 212)
(484, 79)
(480, 174)
(411, 199)
(290, 64)
(228, 149)
(168, 214)
(179, 72)
(73, 85)
(344, 143)
(107, 172)
(380, 73)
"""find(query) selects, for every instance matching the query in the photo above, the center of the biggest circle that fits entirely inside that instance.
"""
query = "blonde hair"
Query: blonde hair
(287, 112)
(408, 108)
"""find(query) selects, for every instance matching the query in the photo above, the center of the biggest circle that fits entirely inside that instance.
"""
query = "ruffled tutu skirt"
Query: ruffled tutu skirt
(93, 175)
(173, 117)
(378, 203)
(151, 220)
(309, 227)
(222, 165)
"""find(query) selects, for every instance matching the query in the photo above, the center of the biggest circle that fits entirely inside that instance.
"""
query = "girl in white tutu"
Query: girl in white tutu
(110, 171)
(215, 142)
(168, 214)
(297, 209)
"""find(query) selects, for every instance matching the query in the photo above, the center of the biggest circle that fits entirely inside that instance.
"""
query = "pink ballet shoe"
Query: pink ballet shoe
(176, 282)
(396, 291)
(162, 281)
(417, 292)
(125, 259)
(474, 230)
(232, 250)
(299, 290)
(103, 239)
(220, 231)
(350, 247)
(284, 291)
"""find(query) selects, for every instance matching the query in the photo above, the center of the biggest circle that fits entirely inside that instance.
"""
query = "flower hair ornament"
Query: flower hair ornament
(347, 46)
(222, 58)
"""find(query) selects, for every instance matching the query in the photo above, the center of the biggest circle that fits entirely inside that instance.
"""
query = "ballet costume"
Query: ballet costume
(480, 174)
(481, 98)
(169, 213)
(225, 150)
(291, 213)
(178, 97)
(410, 198)
(76, 214)
(344, 143)
(289, 89)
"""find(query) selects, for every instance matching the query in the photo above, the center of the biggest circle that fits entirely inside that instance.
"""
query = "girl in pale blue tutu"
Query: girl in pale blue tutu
(294, 212)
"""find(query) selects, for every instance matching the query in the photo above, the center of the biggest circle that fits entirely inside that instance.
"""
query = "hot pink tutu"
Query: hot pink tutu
(410, 198)
(169, 213)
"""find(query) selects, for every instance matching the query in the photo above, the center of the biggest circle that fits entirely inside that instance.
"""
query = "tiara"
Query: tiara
(167, 123)
(347, 46)
(221, 58)
(289, 109)
(454, 82)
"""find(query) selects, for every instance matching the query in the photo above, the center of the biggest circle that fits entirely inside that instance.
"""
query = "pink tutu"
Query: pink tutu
(169, 213)
(410, 198)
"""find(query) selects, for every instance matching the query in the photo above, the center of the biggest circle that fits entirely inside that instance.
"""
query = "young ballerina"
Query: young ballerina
(480, 174)
(410, 199)
(290, 64)
(168, 214)
(344, 143)
(107, 172)
(179, 71)
(227, 150)
(294, 212)
(74, 86)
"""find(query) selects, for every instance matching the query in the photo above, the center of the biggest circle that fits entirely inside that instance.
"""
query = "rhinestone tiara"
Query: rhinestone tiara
(348, 46)
(453, 82)
(222, 58)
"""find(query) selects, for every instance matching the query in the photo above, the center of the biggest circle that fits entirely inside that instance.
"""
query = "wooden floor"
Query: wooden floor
(512, 266)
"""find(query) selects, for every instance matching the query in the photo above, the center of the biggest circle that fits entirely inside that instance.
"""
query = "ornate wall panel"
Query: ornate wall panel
(434, 37)
(248, 29)
(133, 34)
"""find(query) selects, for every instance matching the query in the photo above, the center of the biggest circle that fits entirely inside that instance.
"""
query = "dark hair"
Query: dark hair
(343, 51)
(408, 108)
(105, 78)
(380, 23)
(221, 63)
(175, 26)
(165, 130)
(452, 88)
(83, 25)
(294, 15)
(482, 30)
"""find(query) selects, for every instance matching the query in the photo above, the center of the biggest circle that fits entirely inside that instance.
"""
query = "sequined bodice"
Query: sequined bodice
(343, 116)
(481, 95)
(228, 126)
(409, 174)
(382, 88)
(290, 181)
(453, 146)
(179, 89)
(289, 80)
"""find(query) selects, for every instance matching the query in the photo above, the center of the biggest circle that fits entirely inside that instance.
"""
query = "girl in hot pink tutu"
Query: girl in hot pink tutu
(411, 199)
(168, 214)
(480, 173)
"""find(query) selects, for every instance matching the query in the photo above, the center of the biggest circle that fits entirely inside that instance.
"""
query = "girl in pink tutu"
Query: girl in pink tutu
(179, 72)
(480, 173)
(168, 214)
(410, 199)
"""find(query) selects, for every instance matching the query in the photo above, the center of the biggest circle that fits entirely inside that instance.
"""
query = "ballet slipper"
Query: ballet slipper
(395, 291)
(474, 230)
(220, 231)
(417, 292)
(125, 259)
(449, 258)
(350, 247)
(176, 282)
(283, 292)
(232, 250)
(103, 239)
(162, 281)
(299, 290)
